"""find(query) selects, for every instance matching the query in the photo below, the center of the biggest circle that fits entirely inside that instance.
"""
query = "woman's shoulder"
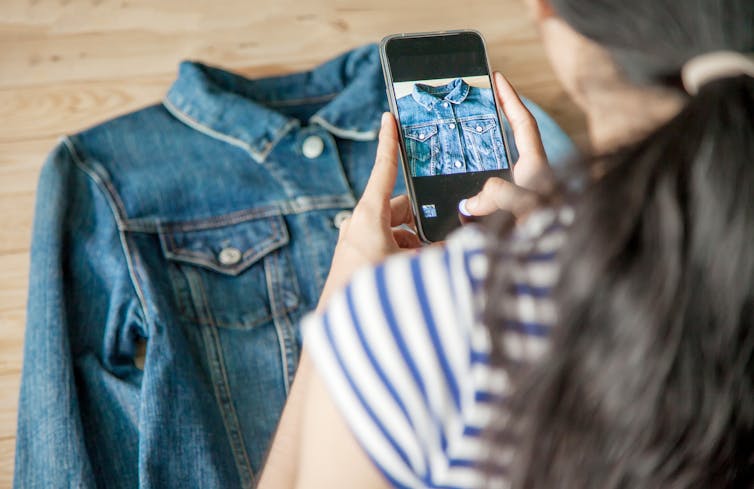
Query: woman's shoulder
(405, 353)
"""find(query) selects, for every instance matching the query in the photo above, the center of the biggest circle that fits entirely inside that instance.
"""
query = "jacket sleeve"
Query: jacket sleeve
(83, 318)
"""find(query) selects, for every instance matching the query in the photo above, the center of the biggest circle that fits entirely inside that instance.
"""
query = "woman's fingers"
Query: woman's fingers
(500, 194)
(531, 170)
(524, 125)
(531, 173)
(406, 239)
(400, 211)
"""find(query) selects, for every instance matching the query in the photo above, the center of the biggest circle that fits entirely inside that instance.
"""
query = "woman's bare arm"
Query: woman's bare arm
(313, 447)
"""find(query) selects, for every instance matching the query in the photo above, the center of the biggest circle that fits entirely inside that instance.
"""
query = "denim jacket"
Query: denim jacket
(451, 129)
(205, 226)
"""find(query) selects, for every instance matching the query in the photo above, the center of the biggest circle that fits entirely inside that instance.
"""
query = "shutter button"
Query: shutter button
(229, 256)
(313, 147)
(340, 217)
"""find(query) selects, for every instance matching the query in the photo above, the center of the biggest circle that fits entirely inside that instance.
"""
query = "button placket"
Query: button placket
(456, 135)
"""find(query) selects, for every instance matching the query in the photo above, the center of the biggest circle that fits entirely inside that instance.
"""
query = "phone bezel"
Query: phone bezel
(393, 104)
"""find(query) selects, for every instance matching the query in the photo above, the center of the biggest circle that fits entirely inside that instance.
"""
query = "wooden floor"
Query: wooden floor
(68, 64)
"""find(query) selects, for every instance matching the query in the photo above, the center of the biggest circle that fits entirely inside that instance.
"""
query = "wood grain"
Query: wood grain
(69, 64)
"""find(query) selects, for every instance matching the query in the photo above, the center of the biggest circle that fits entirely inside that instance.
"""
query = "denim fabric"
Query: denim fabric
(204, 225)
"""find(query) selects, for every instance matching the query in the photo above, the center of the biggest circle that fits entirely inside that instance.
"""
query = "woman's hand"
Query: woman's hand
(531, 173)
(368, 236)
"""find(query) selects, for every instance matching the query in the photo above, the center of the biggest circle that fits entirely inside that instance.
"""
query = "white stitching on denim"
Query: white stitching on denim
(232, 425)
(285, 313)
(211, 132)
(302, 101)
(112, 201)
(258, 156)
(295, 206)
(278, 136)
(416, 131)
(278, 238)
(281, 337)
(221, 221)
(344, 133)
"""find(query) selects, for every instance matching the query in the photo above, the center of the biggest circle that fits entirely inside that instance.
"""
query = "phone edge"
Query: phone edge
(393, 105)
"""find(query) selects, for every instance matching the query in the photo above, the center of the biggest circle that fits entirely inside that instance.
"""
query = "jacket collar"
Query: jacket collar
(454, 92)
(242, 112)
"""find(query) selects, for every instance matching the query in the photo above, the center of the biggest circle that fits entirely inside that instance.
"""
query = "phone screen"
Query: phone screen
(452, 141)
(451, 137)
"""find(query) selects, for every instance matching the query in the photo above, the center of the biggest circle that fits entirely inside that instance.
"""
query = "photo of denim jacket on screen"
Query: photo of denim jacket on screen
(451, 128)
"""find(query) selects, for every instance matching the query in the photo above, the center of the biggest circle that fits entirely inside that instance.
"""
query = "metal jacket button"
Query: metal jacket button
(313, 147)
(340, 217)
(229, 256)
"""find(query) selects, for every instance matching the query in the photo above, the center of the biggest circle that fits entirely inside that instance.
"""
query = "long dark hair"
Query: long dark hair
(649, 381)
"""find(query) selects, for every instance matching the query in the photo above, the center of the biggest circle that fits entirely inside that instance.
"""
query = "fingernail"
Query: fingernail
(383, 121)
(462, 207)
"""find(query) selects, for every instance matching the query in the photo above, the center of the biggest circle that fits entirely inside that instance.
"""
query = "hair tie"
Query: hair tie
(708, 67)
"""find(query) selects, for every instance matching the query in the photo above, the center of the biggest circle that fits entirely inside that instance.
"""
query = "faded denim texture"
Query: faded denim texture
(205, 226)
(451, 128)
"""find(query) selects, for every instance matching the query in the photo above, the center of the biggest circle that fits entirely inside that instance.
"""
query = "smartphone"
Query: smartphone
(451, 139)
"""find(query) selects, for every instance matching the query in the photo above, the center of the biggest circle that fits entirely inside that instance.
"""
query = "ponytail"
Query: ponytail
(649, 381)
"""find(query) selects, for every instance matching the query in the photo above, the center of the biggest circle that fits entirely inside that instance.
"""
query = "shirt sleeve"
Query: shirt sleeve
(397, 349)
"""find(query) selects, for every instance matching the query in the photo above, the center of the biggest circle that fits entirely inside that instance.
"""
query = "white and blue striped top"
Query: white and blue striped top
(405, 355)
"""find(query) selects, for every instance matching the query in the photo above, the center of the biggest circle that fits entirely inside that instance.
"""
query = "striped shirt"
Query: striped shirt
(406, 358)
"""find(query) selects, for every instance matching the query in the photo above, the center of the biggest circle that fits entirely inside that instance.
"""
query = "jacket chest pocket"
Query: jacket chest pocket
(238, 275)
(422, 147)
(484, 143)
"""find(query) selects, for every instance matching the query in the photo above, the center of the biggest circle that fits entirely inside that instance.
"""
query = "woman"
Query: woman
(602, 340)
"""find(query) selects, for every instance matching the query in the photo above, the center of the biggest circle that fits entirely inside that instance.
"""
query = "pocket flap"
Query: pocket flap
(421, 133)
(228, 249)
(479, 126)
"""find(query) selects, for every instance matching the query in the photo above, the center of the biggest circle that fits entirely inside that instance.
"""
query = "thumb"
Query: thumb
(498, 194)
(382, 180)
(531, 170)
